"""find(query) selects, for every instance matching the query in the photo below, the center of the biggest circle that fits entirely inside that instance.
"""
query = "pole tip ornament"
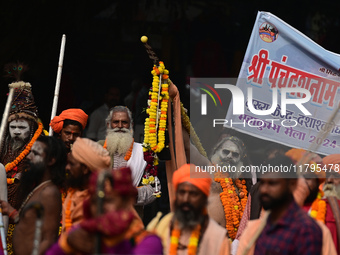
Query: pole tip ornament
(144, 39)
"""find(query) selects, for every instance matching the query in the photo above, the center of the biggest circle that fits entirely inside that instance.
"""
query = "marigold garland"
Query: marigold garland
(68, 220)
(155, 124)
(24, 153)
(318, 208)
(233, 204)
(127, 154)
(193, 240)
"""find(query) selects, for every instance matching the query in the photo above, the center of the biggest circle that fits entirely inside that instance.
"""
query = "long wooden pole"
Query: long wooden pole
(5, 116)
(57, 85)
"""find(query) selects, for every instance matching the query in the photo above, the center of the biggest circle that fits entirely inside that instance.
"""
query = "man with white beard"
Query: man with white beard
(332, 184)
(125, 152)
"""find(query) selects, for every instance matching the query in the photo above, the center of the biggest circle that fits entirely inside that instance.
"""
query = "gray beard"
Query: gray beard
(330, 190)
(17, 144)
(118, 142)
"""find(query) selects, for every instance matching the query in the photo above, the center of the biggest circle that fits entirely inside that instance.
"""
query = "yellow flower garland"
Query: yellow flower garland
(155, 124)
(193, 240)
(157, 116)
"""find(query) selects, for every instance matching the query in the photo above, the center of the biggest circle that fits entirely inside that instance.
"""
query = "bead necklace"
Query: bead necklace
(31, 194)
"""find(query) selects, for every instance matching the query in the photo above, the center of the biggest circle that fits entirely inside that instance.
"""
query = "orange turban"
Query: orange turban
(331, 159)
(78, 115)
(188, 173)
(91, 154)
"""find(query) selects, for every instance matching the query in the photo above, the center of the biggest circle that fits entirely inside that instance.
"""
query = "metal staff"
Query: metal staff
(57, 85)
(39, 209)
(100, 202)
(2, 233)
(5, 115)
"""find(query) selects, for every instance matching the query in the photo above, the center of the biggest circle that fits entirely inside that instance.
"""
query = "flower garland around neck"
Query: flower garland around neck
(193, 240)
(127, 154)
(318, 208)
(68, 220)
(10, 166)
(155, 124)
(233, 204)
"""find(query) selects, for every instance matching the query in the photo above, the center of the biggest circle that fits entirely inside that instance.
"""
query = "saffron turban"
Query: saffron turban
(331, 159)
(78, 115)
(91, 154)
(188, 173)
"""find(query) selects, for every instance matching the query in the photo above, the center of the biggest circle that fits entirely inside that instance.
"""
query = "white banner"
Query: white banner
(280, 57)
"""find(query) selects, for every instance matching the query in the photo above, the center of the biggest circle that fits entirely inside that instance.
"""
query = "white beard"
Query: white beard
(331, 190)
(118, 142)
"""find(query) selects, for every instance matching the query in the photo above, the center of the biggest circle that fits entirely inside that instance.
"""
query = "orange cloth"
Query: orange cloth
(331, 159)
(299, 156)
(91, 154)
(188, 173)
(70, 114)
(176, 143)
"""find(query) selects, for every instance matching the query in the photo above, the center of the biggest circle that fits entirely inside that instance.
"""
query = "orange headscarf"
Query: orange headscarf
(299, 155)
(192, 174)
(91, 154)
(331, 159)
(70, 114)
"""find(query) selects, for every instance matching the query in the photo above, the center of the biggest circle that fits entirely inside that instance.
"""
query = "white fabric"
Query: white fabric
(145, 195)
(234, 246)
(137, 163)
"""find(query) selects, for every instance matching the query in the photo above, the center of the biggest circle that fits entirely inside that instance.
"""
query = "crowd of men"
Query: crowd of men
(87, 195)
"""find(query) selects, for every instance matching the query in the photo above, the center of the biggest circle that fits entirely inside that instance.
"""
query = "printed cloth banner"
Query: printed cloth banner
(279, 56)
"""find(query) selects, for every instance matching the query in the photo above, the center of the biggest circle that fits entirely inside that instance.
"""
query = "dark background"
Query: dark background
(194, 39)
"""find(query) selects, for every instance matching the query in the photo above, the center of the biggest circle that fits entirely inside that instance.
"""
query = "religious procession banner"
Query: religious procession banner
(290, 88)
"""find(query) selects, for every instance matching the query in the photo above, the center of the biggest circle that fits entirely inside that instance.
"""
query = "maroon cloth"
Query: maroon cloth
(122, 179)
(331, 224)
(110, 224)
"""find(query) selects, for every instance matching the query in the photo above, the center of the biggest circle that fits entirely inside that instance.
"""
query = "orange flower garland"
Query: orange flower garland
(68, 220)
(127, 154)
(24, 153)
(193, 241)
(318, 208)
(233, 204)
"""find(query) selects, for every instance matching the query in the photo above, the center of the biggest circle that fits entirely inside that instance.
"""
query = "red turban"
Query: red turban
(331, 159)
(194, 175)
(70, 114)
